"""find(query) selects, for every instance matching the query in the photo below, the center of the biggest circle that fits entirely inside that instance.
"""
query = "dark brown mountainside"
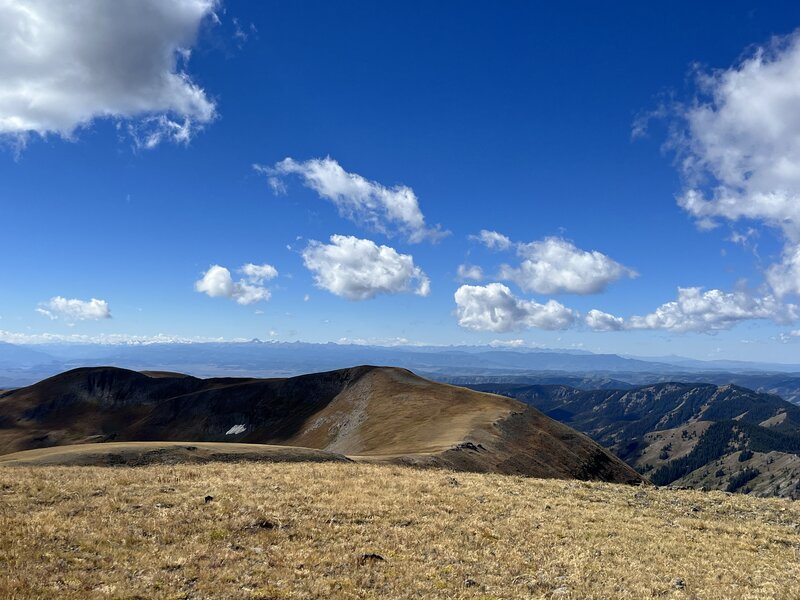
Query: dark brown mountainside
(366, 413)
(689, 435)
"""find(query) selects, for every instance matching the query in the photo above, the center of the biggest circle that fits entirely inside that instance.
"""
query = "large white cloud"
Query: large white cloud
(557, 266)
(73, 309)
(493, 307)
(359, 269)
(67, 63)
(740, 149)
(217, 282)
(386, 210)
(696, 310)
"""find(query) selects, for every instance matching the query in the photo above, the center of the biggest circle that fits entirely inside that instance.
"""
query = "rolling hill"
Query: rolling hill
(696, 435)
(371, 414)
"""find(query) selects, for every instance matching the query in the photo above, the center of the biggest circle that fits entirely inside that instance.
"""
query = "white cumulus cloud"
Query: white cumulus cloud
(473, 272)
(739, 146)
(259, 273)
(217, 282)
(556, 266)
(603, 321)
(66, 64)
(696, 310)
(386, 210)
(493, 307)
(492, 240)
(73, 309)
(701, 311)
(359, 269)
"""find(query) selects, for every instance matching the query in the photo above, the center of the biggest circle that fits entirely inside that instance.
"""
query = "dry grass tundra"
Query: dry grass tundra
(343, 530)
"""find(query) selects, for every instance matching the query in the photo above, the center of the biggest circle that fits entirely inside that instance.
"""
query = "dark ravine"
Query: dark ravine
(377, 414)
(694, 435)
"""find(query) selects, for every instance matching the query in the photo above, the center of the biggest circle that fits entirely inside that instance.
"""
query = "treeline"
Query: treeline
(723, 438)
(741, 478)
(713, 444)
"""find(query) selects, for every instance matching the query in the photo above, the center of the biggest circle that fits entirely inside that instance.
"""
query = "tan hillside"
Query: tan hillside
(329, 530)
(153, 453)
(367, 413)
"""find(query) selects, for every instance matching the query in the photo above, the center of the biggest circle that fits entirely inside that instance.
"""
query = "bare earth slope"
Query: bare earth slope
(369, 413)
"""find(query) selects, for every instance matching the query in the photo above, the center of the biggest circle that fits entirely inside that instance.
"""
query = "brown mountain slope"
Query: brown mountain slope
(368, 413)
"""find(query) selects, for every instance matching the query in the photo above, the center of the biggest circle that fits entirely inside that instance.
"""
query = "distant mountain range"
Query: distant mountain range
(373, 414)
(23, 365)
(694, 435)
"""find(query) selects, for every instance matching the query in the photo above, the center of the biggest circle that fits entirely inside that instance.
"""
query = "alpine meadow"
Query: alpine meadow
(329, 299)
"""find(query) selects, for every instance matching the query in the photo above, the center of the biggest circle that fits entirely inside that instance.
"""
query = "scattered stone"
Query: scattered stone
(208, 499)
(561, 591)
(469, 446)
(370, 557)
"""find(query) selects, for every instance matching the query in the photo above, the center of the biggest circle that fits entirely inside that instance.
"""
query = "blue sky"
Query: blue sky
(126, 175)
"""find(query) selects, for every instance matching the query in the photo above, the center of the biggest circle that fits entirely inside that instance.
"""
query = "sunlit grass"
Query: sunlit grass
(354, 530)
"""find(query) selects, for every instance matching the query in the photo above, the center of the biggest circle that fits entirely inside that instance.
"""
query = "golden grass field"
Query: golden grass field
(311, 530)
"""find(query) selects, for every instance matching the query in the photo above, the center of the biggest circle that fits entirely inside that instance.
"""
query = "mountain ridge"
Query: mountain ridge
(697, 435)
(383, 414)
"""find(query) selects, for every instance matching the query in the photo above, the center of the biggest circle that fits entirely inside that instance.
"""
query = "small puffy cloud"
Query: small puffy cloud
(387, 210)
(493, 307)
(603, 321)
(492, 240)
(359, 269)
(473, 272)
(66, 64)
(218, 283)
(695, 310)
(556, 266)
(259, 273)
(71, 310)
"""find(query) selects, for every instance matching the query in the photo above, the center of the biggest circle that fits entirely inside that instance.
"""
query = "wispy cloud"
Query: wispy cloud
(387, 210)
(73, 309)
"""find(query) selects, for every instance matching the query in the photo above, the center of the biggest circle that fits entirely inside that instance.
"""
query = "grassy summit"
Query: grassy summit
(305, 530)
